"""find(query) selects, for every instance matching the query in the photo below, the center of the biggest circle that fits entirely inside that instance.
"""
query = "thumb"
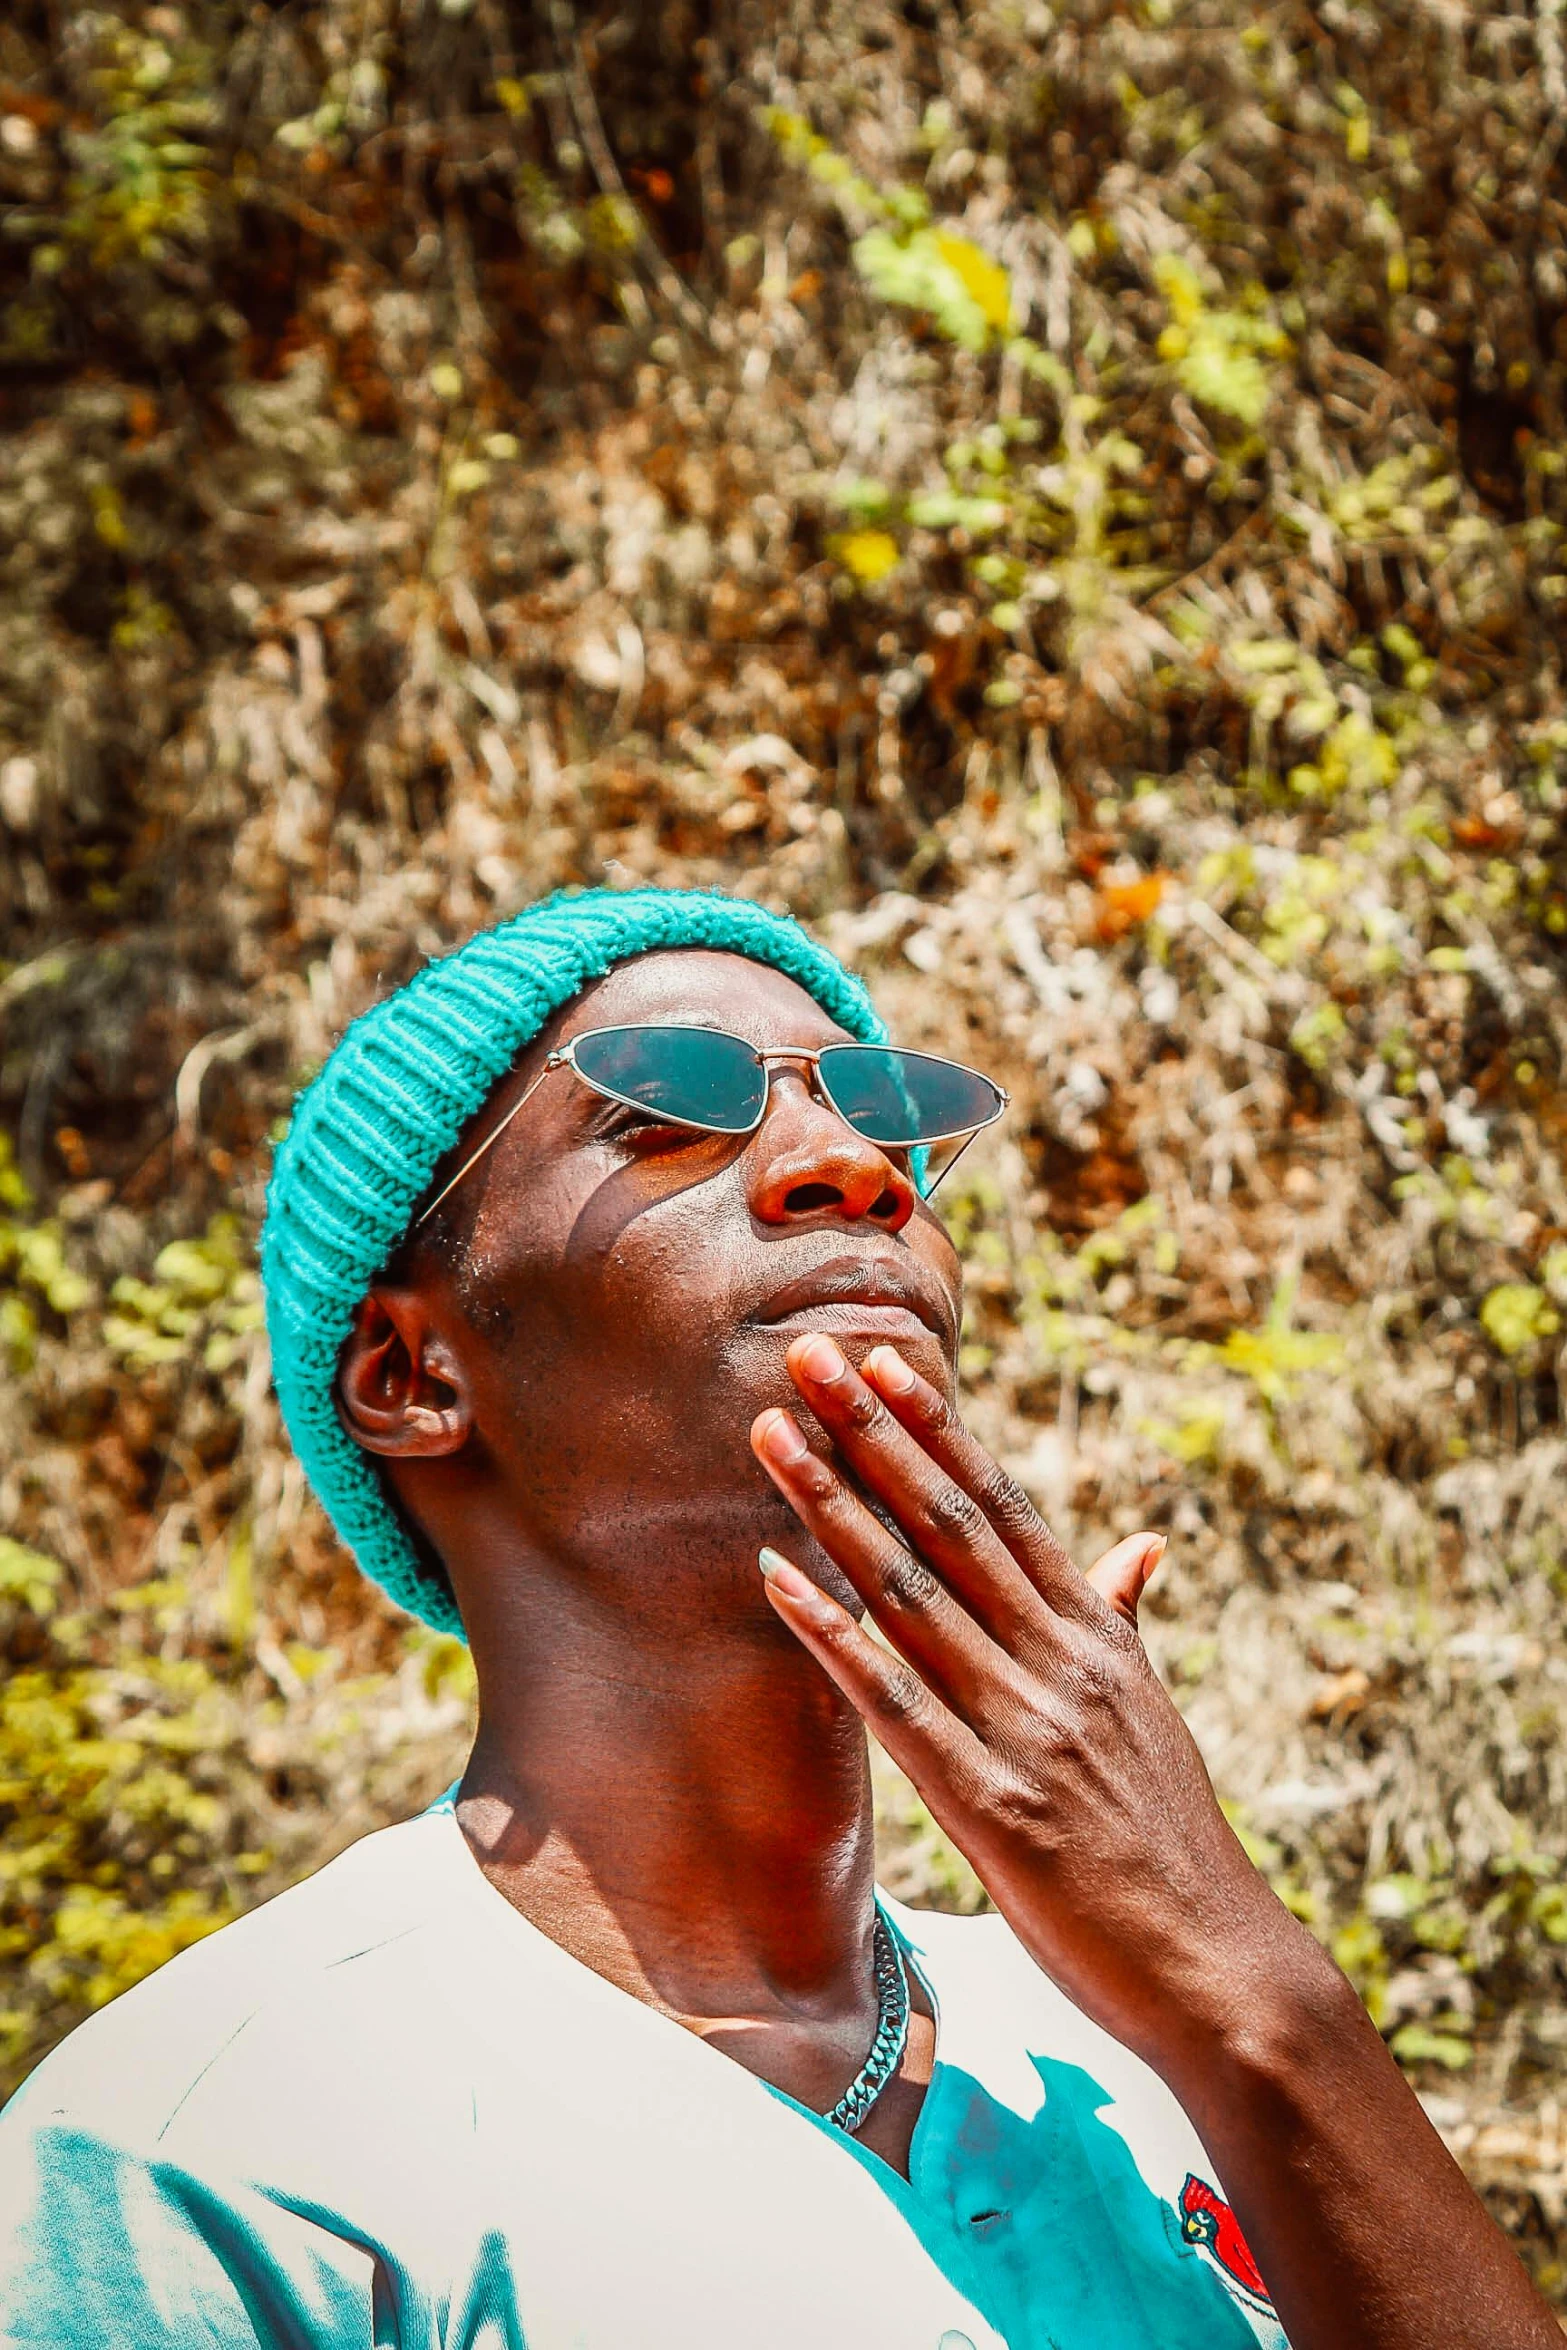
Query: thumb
(1122, 1575)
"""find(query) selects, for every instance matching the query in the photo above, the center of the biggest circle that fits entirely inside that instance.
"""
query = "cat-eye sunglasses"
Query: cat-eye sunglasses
(710, 1082)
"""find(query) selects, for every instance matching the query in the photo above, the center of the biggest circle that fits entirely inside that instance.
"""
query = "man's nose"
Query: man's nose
(805, 1161)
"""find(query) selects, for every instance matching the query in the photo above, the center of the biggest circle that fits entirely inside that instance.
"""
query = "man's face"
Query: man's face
(625, 1302)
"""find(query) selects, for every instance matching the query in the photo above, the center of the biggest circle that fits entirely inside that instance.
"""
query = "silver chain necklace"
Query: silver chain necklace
(892, 2032)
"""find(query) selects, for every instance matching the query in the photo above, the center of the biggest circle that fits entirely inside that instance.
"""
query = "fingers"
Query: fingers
(933, 1423)
(909, 1602)
(924, 1739)
(943, 1523)
(1124, 1573)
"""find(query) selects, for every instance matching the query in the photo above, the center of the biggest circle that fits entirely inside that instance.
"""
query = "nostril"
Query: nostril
(806, 1196)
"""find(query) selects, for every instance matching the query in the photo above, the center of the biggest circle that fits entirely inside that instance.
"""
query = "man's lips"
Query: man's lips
(885, 1296)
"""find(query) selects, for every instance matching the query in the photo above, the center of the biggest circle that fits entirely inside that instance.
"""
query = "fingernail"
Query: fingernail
(822, 1361)
(781, 1575)
(1154, 1554)
(890, 1370)
(782, 1442)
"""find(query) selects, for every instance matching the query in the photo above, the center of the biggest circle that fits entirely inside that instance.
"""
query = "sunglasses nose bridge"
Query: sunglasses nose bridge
(778, 1059)
(768, 1053)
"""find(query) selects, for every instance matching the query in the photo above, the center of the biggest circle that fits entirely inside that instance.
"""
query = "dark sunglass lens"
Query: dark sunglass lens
(693, 1075)
(896, 1097)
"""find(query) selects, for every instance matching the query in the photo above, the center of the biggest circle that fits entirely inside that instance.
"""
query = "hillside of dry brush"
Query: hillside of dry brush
(1067, 498)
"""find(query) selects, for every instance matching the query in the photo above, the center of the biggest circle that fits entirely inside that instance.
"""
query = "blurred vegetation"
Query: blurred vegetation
(1067, 498)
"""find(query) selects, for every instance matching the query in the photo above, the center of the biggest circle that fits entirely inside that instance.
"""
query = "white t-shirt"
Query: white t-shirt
(384, 2110)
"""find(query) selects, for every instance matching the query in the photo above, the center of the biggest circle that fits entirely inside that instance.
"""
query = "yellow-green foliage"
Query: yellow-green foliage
(203, 1299)
(1215, 352)
(1275, 1356)
(109, 1857)
(966, 293)
(33, 1266)
(144, 180)
(1516, 1316)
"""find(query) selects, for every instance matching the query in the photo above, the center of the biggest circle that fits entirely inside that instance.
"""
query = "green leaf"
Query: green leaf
(1214, 352)
(40, 1258)
(1234, 381)
(143, 1347)
(1318, 1034)
(861, 498)
(1196, 1438)
(1516, 1316)
(966, 294)
(984, 281)
(1419, 2044)
(29, 1576)
(945, 510)
(18, 1332)
(13, 1191)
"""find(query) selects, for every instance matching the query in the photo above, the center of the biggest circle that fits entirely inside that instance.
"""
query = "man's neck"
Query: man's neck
(696, 1828)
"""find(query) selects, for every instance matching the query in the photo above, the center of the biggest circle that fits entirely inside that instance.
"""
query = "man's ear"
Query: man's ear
(402, 1391)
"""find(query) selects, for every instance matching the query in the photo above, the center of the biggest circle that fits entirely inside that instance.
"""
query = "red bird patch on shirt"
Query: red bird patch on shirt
(1207, 2219)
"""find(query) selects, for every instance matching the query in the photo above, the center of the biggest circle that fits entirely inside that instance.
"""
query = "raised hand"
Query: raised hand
(1021, 1703)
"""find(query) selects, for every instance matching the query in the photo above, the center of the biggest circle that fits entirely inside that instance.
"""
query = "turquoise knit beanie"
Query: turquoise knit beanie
(368, 1133)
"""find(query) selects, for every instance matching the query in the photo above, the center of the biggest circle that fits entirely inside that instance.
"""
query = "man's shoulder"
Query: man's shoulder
(288, 1971)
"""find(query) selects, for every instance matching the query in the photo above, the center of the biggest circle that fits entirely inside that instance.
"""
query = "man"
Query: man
(598, 1271)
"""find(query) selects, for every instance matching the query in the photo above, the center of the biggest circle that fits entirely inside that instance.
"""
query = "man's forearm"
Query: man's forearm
(1018, 1697)
(1365, 2228)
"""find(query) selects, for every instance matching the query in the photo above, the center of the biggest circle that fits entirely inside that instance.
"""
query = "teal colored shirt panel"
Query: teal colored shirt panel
(121, 2253)
(119, 2250)
(1068, 2244)
(1048, 2226)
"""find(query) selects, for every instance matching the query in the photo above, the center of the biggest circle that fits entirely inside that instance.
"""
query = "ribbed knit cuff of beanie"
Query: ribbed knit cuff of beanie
(368, 1132)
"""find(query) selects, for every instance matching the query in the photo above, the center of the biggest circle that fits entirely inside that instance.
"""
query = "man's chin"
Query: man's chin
(769, 1342)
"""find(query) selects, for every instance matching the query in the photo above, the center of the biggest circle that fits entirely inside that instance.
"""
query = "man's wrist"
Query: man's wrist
(1279, 2026)
(1269, 2023)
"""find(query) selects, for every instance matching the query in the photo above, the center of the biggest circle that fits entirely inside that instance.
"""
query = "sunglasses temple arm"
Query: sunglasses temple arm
(951, 1163)
(492, 1137)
